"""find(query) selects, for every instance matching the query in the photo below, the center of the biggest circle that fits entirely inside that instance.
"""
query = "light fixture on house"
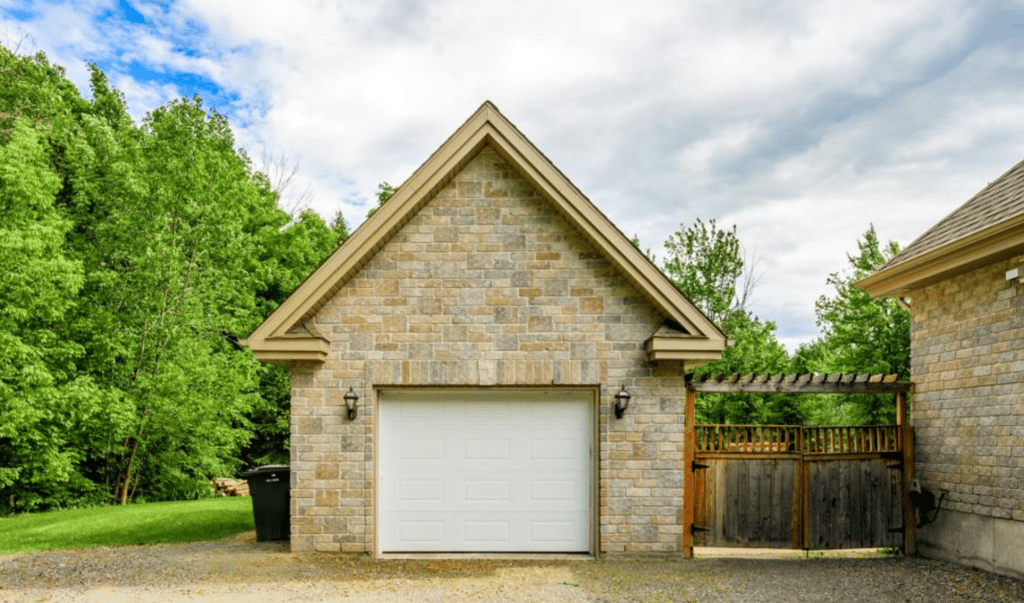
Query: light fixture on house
(621, 402)
(1013, 275)
(351, 397)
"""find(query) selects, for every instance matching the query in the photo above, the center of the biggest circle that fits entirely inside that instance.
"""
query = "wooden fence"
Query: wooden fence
(803, 487)
(784, 486)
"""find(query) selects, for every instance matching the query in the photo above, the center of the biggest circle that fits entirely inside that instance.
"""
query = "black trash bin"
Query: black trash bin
(270, 490)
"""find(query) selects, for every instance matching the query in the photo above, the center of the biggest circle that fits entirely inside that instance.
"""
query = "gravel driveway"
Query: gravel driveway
(243, 570)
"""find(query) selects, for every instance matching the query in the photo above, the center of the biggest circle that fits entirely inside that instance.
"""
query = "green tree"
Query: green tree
(706, 264)
(32, 89)
(864, 335)
(289, 254)
(340, 226)
(132, 258)
(38, 283)
(384, 192)
(162, 230)
(754, 349)
(820, 409)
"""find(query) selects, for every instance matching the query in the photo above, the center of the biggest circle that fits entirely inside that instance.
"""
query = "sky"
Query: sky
(800, 122)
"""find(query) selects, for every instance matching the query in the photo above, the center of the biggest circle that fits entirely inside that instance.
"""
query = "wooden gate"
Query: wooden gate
(800, 487)
(776, 486)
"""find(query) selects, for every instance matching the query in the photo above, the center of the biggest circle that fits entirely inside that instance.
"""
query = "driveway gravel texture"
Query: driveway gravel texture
(241, 569)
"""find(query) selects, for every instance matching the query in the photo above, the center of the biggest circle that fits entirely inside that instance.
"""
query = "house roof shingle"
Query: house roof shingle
(988, 227)
(1001, 200)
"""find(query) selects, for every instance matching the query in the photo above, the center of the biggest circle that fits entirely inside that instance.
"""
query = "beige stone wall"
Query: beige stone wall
(487, 286)
(967, 339)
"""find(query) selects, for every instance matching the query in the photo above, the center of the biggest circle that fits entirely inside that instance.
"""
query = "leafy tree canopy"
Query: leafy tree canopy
(132, 258)
(861, 334)
(706, 264)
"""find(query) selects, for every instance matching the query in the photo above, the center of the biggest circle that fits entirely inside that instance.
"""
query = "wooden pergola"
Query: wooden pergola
(799, 384)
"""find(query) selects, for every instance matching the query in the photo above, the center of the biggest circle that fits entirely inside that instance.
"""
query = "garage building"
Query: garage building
(457, 362)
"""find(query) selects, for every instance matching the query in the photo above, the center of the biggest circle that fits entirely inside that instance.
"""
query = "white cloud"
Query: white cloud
(801, 122)
(142, 97)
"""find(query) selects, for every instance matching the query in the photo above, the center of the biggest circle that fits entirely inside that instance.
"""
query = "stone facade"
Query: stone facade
(488, 286)
(967, 339)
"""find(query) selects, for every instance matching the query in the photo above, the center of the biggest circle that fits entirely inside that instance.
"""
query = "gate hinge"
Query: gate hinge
(695, 466)
(897, 466)
(696, 528)
(899, 530)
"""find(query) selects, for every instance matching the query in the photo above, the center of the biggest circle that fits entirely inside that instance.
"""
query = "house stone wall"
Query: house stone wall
(487, 286)
(967, 339)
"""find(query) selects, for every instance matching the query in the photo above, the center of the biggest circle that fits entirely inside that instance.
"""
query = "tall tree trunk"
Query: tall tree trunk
(123, 497)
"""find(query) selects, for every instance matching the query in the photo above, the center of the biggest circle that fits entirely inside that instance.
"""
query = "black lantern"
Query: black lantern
(621, 402)
(351, 397)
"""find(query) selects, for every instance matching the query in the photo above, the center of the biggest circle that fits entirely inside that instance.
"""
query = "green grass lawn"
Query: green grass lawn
(149, 523)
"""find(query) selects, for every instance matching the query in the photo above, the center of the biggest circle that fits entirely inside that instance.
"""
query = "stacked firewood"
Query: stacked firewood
(226, 486)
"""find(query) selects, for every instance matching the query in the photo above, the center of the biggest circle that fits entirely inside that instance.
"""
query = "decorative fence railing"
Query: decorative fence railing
(776, 439)
(851, 440)
(747, 438)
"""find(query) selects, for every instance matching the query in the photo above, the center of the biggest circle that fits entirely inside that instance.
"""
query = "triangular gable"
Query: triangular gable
(285, 335)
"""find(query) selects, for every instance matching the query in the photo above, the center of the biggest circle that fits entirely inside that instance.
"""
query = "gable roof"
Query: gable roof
(288, 335)
(985, 229)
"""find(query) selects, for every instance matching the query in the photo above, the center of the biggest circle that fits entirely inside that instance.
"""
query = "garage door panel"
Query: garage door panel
(493, 533)
(512, 533)
(554, 449)
(499, 475)
(487, 450)
(429, 491)
(488, 491)
(553, 531)
(544, 491)
(420, 531)
(490, 413)
(415, 449)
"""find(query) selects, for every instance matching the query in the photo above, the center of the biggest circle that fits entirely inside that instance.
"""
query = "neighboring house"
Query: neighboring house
(963, 283)
(486, 317)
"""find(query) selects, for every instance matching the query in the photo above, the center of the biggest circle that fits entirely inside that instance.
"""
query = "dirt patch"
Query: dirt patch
(243, 570)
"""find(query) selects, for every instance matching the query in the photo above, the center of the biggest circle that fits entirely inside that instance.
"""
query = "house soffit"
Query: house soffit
(486, 127)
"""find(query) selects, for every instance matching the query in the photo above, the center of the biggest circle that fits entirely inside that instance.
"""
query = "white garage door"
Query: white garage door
(485, 471)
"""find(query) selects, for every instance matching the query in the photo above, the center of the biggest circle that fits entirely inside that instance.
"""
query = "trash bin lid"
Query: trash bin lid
(266, 469)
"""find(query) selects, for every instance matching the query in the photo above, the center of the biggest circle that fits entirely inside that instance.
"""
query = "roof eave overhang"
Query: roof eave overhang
(998, 242)
(285, 350)
(691, 350)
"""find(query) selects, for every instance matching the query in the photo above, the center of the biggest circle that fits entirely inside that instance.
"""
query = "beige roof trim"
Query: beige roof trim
(671, 344)
(487, 126)
(997, 242)
(285, 350)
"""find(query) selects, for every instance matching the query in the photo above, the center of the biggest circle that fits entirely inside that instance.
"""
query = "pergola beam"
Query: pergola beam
(809, 383)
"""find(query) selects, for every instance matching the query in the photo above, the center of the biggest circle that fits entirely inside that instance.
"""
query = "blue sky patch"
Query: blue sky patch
(18, 14)
(130, 14)
(187, 84)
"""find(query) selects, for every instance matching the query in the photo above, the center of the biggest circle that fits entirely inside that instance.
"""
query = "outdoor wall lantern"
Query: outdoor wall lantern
(351, 397)
(621, 402)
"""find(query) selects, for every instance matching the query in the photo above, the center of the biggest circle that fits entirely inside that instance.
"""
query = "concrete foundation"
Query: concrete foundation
(988, 543)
